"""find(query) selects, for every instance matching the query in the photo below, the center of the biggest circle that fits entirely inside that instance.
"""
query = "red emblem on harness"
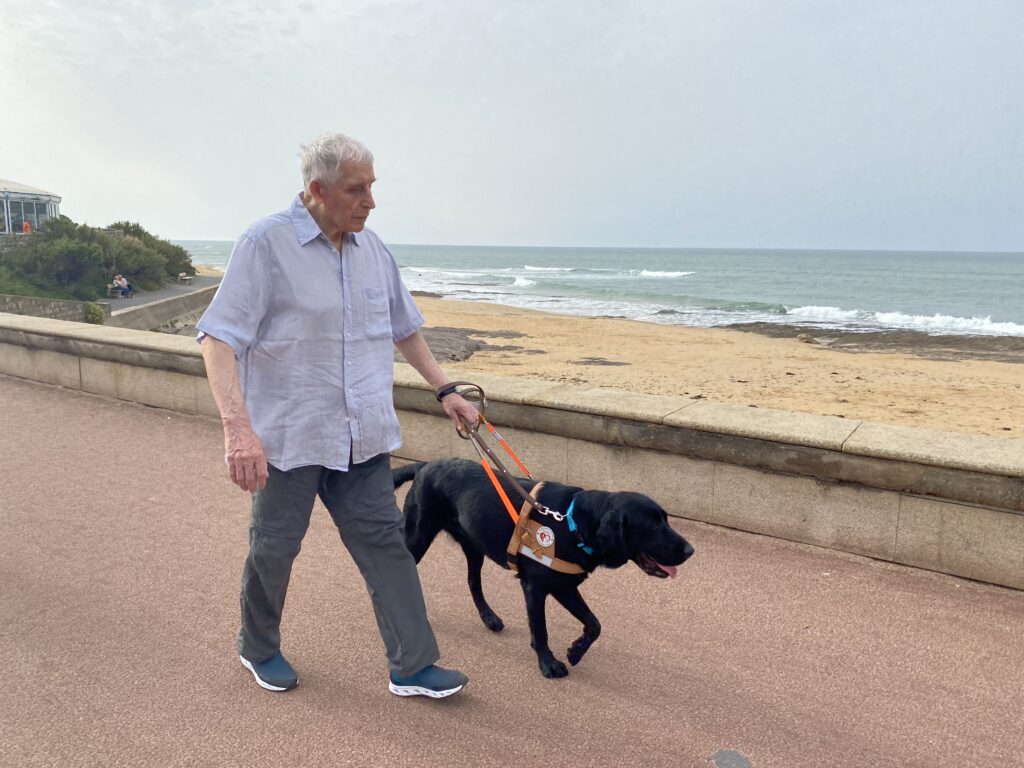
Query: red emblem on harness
(545, 536)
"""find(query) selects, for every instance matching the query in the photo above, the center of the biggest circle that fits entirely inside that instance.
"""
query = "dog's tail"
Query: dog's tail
(406, 473)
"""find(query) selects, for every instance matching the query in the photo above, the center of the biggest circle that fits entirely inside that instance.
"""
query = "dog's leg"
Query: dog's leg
(574, 603)
(535, 598)
(475, 562)
(421, 528)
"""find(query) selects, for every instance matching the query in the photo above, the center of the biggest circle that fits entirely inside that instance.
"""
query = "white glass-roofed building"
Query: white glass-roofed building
(22, 203)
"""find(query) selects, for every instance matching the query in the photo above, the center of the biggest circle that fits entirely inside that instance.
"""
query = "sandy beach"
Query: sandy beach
(972, 384)
(959, 384)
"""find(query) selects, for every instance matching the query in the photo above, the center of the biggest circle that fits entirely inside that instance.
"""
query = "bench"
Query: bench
(184, 278)
(114, 291)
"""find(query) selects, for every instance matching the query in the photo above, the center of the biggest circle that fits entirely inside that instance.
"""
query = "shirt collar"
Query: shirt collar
(306, 228)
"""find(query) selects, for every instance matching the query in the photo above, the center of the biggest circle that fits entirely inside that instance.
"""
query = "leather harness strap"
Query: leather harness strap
(529, 537)
(530, 540)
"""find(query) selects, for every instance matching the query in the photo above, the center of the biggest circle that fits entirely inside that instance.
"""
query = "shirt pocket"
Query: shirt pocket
(376, 313)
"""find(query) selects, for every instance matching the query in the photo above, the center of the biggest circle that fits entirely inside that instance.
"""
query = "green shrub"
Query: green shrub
(94, 314)
(74, 261)
(59, 268)
(61, 226)
(143, 266)
(67, 263)
(177, 259)
(15, 284)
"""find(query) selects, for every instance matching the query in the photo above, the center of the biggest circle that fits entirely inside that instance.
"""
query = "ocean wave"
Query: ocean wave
(823, 314)
(718, 313)
(522, 282)
(528, 268)
(936, 324)
(947, 324)
(447, 271)
(657, 273)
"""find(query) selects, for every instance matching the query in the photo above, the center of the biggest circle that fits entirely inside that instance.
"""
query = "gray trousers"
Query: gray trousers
(362, 503)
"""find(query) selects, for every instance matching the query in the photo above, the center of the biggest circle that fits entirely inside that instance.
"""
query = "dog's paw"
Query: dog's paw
(578, 648)
(553, 669)
(493, 622)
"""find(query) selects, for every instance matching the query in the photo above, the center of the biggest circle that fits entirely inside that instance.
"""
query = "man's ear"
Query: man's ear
(316, 190)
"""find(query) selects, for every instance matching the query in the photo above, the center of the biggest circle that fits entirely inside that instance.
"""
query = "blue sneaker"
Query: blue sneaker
(274, 674)
(432, 681)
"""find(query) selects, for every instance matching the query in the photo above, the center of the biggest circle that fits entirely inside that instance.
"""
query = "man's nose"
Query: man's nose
(368, 202)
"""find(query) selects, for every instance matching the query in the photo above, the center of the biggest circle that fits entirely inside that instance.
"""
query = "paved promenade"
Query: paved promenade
(167, 291)
(121, 545)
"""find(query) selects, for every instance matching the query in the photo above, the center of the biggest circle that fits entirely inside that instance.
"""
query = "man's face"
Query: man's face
(348, 201)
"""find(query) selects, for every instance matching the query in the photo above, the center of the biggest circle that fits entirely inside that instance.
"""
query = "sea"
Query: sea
(937, 293)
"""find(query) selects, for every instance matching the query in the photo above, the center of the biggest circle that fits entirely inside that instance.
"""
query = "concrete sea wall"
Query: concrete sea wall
(156, 313)
(56, 309)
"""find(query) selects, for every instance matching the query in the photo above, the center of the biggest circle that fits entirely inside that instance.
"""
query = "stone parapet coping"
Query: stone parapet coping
(160, 351)
(965, 468)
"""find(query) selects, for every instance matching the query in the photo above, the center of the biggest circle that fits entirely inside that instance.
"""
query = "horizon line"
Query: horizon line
(777, 249)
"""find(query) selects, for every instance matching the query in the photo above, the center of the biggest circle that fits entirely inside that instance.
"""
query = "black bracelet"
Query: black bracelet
(447, 389)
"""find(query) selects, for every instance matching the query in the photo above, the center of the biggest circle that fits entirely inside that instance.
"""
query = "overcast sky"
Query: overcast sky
(687, 123)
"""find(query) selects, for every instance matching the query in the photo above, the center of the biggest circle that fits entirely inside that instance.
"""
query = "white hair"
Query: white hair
(323, 158)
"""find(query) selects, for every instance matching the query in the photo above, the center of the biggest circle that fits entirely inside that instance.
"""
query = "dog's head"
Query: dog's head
(634, 527)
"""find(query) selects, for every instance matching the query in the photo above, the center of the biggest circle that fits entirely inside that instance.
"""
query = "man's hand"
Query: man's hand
(459, 409)
(247, 462)
(416, 352)
(243, 451)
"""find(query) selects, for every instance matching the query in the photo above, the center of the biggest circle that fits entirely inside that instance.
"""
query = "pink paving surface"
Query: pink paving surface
(121, 545)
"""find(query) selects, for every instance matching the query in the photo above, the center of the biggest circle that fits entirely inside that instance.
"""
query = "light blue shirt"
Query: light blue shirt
(313, 332)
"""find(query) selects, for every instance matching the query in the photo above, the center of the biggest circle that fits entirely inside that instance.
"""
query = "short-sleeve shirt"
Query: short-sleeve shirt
(313, 331)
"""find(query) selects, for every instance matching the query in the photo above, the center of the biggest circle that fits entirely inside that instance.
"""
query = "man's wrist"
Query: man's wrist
(235, 423)
(443, 391)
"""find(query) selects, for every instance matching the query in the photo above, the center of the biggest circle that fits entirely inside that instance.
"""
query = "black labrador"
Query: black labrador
(455, 495)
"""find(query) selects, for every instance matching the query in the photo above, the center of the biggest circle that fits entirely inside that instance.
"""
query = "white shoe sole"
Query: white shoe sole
(262, 683)
(415, 690)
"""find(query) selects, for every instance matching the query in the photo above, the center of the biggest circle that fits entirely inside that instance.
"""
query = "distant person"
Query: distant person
(298, 345)
(26, 227)
(126, 288)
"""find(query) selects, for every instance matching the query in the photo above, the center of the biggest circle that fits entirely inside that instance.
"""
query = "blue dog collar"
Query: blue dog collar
(574, 529)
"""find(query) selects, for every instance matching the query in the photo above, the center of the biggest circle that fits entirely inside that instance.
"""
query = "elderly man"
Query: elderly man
(298, 349)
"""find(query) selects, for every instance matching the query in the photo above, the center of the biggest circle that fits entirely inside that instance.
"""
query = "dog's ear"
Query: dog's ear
(611, 536)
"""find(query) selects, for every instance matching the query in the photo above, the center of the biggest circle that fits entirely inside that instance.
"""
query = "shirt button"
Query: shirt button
(347, 419)
(349, 363)
(350, 391)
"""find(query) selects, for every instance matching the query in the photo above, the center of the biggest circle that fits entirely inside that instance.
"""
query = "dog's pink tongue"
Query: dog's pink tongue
(671, 570)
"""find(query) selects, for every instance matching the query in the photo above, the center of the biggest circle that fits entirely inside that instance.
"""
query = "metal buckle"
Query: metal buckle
(559, 516)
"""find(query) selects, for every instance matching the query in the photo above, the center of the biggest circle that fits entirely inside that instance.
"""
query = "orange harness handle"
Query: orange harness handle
(501, 491)
(487, 457)
(508, 448)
